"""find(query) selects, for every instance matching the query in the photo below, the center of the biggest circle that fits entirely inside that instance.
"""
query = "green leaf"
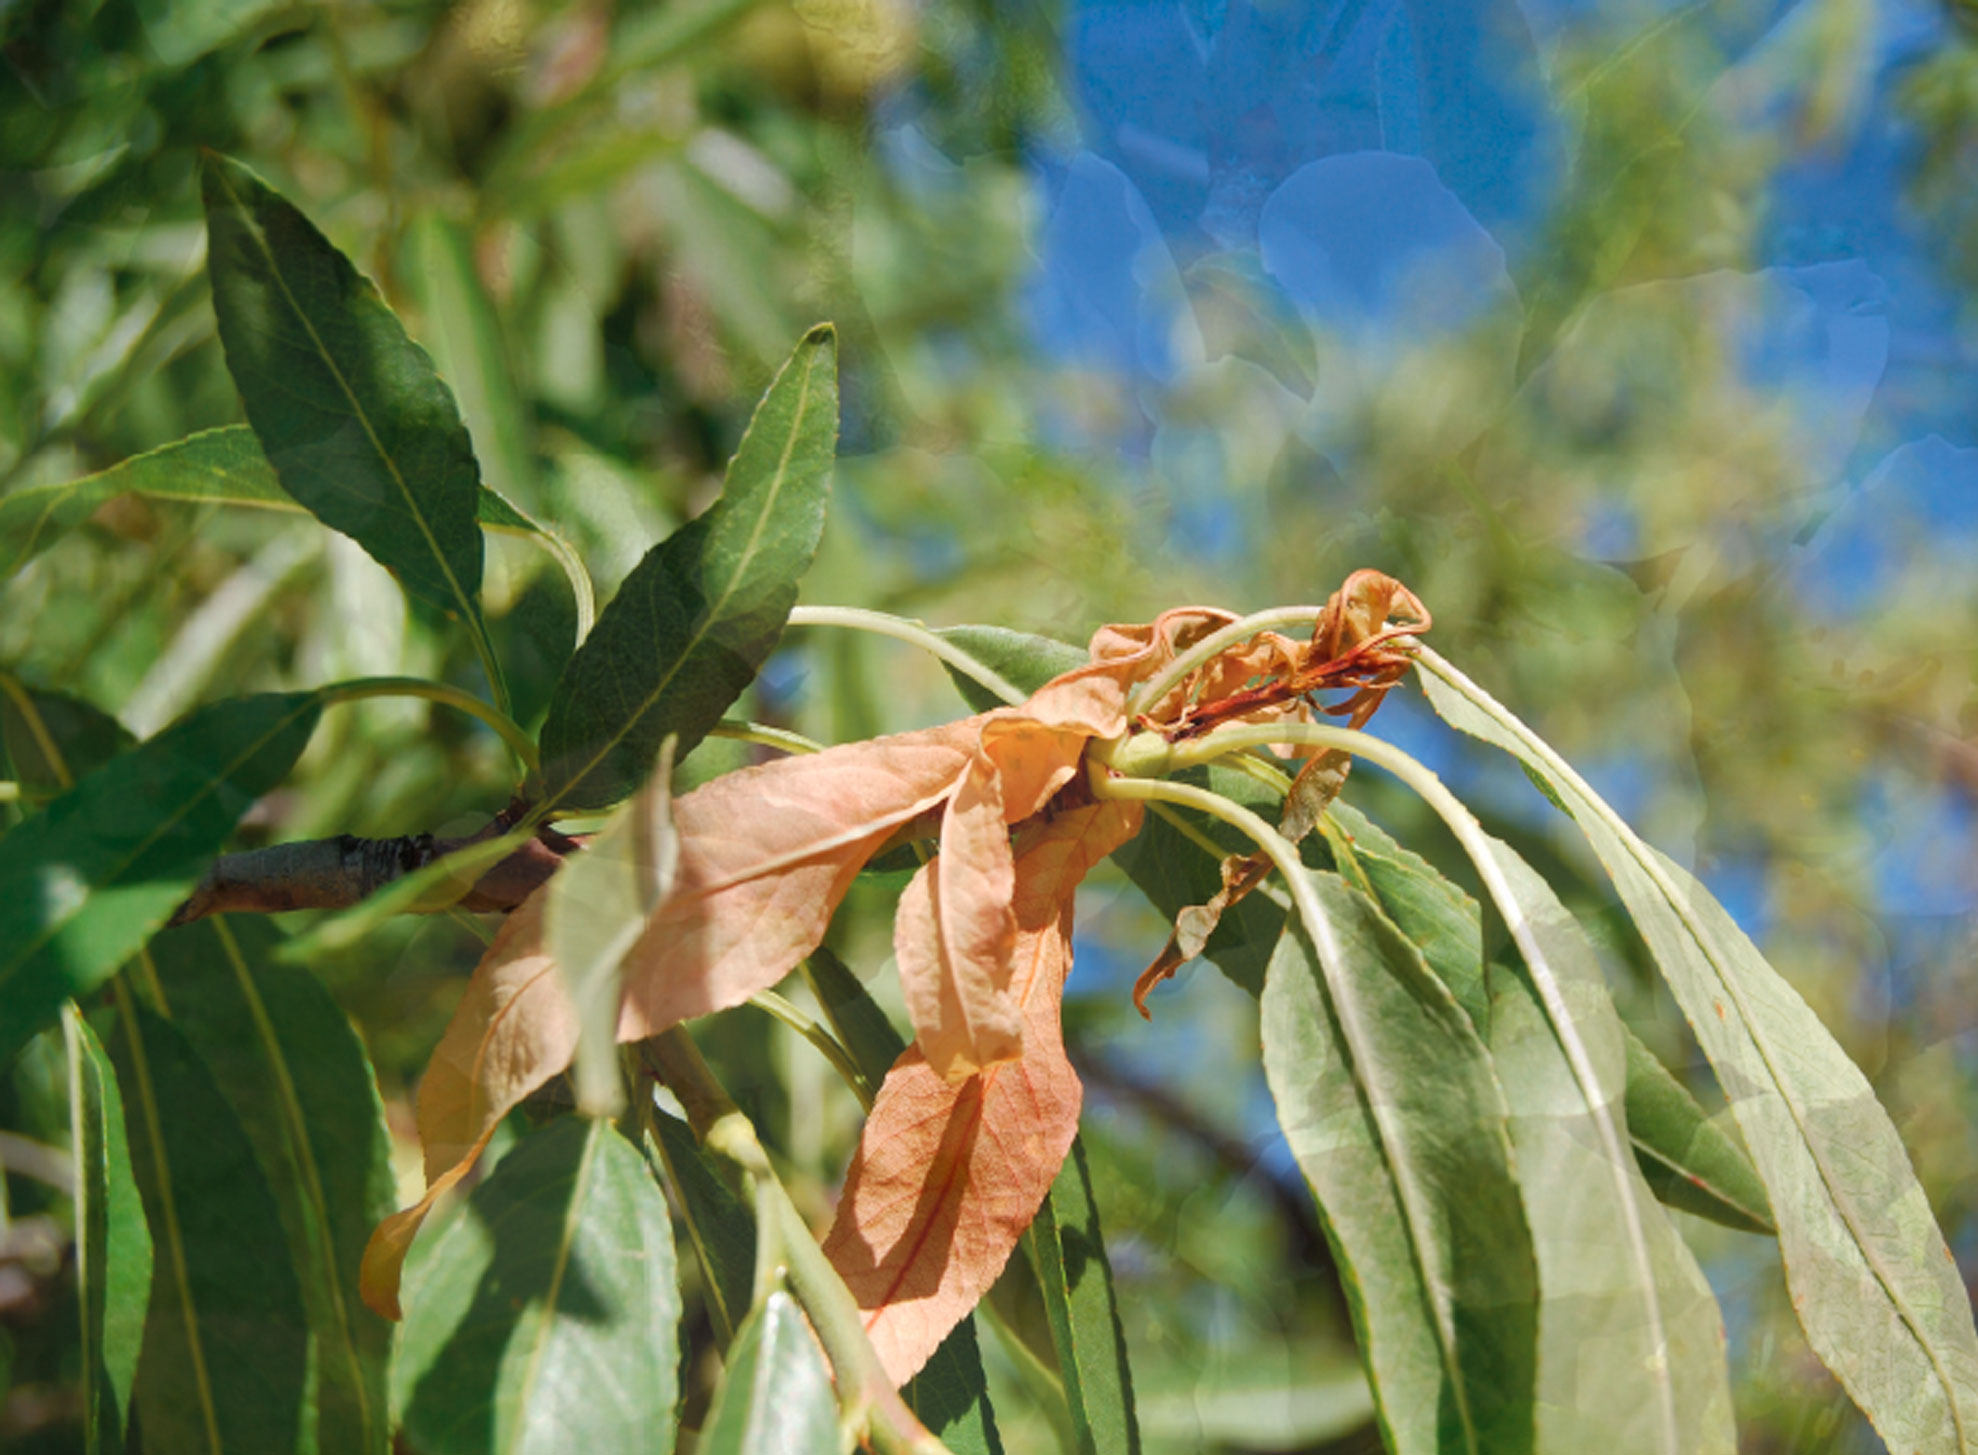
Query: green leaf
(179, 32)
(225, 466)
(1441, 919)
(113, 1244)
(1022, 658)
(1690, 1162)
(720, 1224)
(1403, 1139)
(696, 619)
(85, 882)
(226, 1339)
(776, 1398)
(597, 908)
(1631, 1346)
(54, 739)
(1070, 1257)
(357, 424)
(297, 1078)
(547, 1316)
(1874, 1284)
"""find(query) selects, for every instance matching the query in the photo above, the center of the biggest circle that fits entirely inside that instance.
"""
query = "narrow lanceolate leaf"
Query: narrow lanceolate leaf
(297, 1078)
(113, 1244)
(949, 1174)
(720, 1225)
(1631, 1348)
(596, 908)
(776, 1396)
(354, 419)
(1871, 1278)
(224, 466)
(1690, 1161)
(513, 1030)
(1404, 1141)
(87, 880)
(547, 1318)
(226, 1339)
(1077, 1281)
(696, 619)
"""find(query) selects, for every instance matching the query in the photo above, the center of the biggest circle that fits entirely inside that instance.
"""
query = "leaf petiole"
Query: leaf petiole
(857, 618)
(506, 728)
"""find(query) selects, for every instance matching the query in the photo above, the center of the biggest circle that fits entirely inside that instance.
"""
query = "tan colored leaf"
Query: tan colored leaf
(513, 1030)
(949, 1174)
(765, 856)
(1241, 873)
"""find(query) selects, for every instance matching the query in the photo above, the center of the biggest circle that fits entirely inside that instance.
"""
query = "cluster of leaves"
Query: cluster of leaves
(1490, 1149)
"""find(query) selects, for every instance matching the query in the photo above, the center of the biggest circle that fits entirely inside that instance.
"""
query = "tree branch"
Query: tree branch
(337, 873)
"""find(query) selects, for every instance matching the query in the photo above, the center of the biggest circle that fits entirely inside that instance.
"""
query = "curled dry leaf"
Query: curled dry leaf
(949, 1173)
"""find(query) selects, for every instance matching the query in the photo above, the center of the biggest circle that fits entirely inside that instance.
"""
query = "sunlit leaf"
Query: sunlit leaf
(226, 1338)
(596, 908)
(297, 1078)
(1872, 1281)
(1631, 1347)
(113, 1244)
(84, 882)
(696, 619)
(776, 1396)
(546, 1318)
(1022, 658)
(356, 423)
(1404, 1141)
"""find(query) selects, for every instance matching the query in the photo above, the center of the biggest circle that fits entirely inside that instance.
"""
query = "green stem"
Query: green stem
(770, 1003)
(900, 629)
(510, 731)
(1169, 677)
(863, 1388)
(781, 739)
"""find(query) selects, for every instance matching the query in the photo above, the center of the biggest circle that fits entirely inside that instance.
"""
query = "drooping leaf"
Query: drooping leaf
(696, 619)
(349, 410)
(1441, 919)
(950, 1394)
(1077, 1281)
(226, 1338)
(1391, 1108)
(776, 1396)
(113, 1244)
(1873, 1283)
(1690, 1162)
(84, 882)
(1631, 1347)
(302, 1088)
(596, 908)
(936, 1199)
(55, 739)
(1020, 658)
(224, 466)
(546, 1317)
(720, 1225)
(513, 1030)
